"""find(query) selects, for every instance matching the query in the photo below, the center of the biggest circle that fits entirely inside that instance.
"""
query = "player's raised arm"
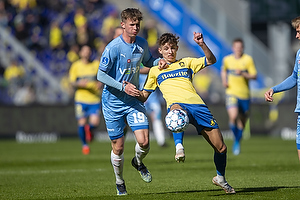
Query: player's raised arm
(210, 57)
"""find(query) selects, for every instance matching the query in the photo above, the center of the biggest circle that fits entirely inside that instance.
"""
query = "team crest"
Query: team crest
(105, 61)
(181, 64)
(212, 122)
(128, 61)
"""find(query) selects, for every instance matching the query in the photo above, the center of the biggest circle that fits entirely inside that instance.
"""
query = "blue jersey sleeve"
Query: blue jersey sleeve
(289, 82)
(107, 80)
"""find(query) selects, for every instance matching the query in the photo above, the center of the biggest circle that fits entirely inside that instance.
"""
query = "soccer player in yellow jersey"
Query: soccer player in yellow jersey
(175, 83)
(82, 76)
(238, 68)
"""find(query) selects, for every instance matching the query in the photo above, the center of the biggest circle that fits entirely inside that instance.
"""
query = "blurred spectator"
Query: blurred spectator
(4, 97)
(55, 36)
(79, 18)
(14, 74)
(109, 24)
(73, 54)
(69, 34)
(23, 4)
(24, 95)
(3, 15)
(118, 31)
(151, 34)
(20, 29)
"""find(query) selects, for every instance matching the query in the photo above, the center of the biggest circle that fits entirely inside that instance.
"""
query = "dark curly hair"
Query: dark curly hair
(168, 38)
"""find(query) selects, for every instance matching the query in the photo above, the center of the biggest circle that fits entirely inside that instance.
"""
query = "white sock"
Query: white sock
(140, 153)
(221, 179)
(117, 163)
(159, 132)
(179, 146)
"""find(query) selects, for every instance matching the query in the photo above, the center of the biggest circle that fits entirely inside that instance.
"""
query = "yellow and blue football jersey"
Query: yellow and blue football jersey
(238, 86)
(175, 82)
(80, 70)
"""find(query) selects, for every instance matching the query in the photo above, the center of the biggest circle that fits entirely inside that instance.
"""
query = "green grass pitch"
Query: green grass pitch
(267, 168)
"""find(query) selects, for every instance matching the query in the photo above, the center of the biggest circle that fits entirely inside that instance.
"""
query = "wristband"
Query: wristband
(123, 87)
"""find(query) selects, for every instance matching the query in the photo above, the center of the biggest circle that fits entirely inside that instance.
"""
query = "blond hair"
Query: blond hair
(296, 22)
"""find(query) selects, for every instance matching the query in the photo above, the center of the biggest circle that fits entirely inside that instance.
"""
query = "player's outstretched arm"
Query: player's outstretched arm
(210, 57)
(269, 95)
(143, 95)
(130, 89)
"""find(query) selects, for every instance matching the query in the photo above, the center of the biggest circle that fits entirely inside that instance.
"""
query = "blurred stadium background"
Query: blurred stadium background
(39, 40)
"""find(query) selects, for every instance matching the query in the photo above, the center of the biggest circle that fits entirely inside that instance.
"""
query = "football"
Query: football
(177, 120)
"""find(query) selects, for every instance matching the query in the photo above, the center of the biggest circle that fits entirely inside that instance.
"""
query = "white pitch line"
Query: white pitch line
(59, 171)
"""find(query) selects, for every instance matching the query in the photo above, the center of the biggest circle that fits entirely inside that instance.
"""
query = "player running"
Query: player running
(82, 75)
(238, 68)
(175, 83)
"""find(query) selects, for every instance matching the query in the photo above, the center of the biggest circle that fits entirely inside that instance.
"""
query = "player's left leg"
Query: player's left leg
(215, 139)
(142, 148)
(138, 122)
(94, 121)
(243, 114)
(82, 133)
(93, 111)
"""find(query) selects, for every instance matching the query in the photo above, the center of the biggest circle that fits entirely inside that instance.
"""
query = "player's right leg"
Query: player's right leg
(115, 126)
(117, 161)
(81, 121)
(178, 139)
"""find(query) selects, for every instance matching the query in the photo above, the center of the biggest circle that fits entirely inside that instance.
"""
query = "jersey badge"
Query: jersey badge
(182, 64)
(128, 61)
(105, 61)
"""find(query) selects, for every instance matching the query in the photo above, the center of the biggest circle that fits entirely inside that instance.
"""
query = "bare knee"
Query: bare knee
(144, 144)
(221, 149)
(117, 147)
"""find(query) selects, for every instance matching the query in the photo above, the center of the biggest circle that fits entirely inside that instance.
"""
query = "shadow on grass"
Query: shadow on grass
(238, 190)
(243, 191)
(265, 189)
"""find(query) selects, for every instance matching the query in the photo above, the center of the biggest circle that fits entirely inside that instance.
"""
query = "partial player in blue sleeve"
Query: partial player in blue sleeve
(291, 82)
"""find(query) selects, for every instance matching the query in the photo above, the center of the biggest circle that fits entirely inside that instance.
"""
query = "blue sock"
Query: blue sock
(234, 130)
(81, 133)
(239, 135)
(178, 138)
(220, 163)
